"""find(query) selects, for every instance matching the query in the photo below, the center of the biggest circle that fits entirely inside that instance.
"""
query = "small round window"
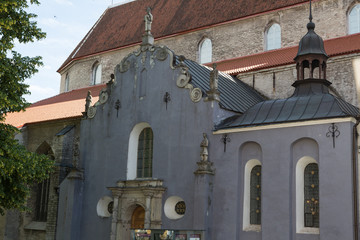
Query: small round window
(104, 207)
(180, 208)
(174, 207)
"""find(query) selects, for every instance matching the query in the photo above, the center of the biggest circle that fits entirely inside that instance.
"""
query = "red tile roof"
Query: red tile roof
(284, 56)
(123, 25)
(65, 105)
(71, 104)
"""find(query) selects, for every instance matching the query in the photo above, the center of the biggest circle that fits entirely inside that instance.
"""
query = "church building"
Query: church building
(245, 135)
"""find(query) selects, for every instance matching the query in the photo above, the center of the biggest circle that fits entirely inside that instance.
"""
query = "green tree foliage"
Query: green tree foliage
(18, 167)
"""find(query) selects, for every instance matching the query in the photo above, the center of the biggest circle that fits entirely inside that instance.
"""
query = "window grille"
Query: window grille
(42, 201)
(145, 154)
(311, 195)
(255, 195)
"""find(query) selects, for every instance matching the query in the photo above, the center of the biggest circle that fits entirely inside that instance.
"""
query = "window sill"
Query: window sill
(309, 230)
(39, 226)
(252, 228)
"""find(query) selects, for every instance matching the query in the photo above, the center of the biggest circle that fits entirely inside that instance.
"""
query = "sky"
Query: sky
(65, 22)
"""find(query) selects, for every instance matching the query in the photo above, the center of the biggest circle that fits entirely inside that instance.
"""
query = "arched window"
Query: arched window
(255, 195)
(140, 152)
(354, 19)
(96, 73)
(307, 196)
(311, 195)
(43, 188)
(273, 37)
(145, 154)
(205, 51)
(252, 196)
(67, 81)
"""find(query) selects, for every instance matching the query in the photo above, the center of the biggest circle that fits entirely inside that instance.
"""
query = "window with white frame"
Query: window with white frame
(307, 196)
(354, 19)
(140, 152)
(205, 51)
(273, 37)
(252, 196)
(67, 82)
(96, 73)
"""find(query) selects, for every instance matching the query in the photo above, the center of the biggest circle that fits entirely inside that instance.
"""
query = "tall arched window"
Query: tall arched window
(43, 188)
(96, 73)
(255, 195)
(252, 196)
(354, 19)
(307, 196)
(311, 195)
(205, 51)
(67, 81)
(145, 154)
(273, 37)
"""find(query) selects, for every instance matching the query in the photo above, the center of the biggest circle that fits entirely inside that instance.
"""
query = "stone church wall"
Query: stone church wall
(33, 136)
(340, 72)
(239, 38)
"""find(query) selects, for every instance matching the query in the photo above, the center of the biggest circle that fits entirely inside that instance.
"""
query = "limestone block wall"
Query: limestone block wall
(340, 72)
(238, 38)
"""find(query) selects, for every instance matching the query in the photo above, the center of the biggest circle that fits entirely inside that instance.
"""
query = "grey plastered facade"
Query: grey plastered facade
(178, 128)
(215, 196)
(279, 149)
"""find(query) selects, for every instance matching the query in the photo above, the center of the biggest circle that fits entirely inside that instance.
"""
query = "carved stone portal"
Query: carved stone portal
(128, 195)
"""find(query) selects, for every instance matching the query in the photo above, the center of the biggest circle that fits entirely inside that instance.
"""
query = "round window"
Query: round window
(174, 207)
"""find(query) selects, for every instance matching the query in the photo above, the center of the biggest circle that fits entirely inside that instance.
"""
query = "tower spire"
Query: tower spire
(310, 16)
(311, 54)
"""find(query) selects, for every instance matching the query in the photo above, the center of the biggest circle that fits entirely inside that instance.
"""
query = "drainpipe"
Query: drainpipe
(355, 184)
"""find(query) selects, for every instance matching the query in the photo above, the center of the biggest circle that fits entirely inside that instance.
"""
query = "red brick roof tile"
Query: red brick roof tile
(284, 56)
(124, 25)
(65, 105)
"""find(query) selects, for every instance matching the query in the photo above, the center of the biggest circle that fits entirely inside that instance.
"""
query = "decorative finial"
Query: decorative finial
(88, 101)
(204, 148)
(213, 93)
(310, 16)
(148, 20)
(148, 39)
(204, 165)
(310, 25)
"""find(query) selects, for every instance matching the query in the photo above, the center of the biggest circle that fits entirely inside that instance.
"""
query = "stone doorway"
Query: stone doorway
(138, 218)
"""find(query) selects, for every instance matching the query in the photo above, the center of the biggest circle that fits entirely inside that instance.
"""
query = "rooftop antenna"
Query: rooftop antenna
(310, 16)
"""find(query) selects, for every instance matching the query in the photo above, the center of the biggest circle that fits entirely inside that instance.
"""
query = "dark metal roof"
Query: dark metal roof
(311, 43)
(311, 100)
(234, 94)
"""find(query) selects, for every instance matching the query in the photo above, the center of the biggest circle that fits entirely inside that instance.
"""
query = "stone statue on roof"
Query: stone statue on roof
(88, 101)
(148, 20)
